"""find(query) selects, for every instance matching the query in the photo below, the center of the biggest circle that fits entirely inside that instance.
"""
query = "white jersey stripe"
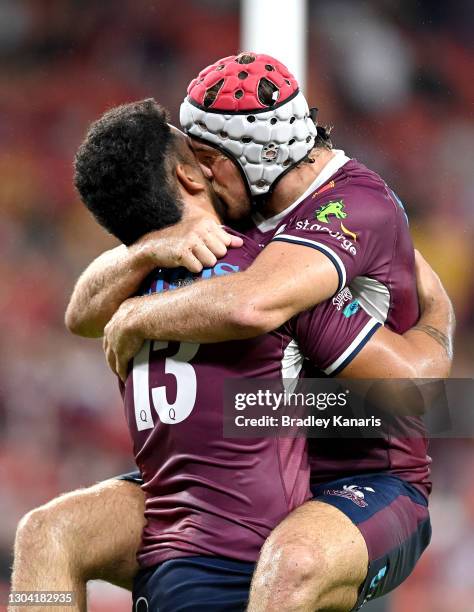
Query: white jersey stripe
(359, 340)
(333, 256)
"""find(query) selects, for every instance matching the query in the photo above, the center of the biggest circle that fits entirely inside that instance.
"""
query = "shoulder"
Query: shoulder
(356, 196)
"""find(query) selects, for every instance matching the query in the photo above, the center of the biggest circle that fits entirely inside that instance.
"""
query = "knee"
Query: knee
(304, 575)
(37, 545)
(48, 535)
(299, 569)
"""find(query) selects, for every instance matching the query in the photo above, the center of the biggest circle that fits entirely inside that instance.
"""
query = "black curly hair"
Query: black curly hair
(121, 171)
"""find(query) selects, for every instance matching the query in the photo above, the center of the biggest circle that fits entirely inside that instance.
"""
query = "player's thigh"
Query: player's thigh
(100, 529)
(316, 555)
(393, 519)
(117, 518)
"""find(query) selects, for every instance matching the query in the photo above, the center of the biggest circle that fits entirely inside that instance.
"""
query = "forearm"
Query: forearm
(107, 282)
(207, 311)
(194, 243)
(424, 351)
(241, 305)
(431, 340)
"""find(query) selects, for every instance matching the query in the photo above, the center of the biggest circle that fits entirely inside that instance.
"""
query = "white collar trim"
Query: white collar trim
(336, 162)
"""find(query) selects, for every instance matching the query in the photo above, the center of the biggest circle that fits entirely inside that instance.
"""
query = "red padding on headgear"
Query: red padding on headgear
(228, 69)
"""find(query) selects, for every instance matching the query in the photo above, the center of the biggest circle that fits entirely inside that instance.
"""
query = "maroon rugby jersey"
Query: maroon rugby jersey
(208, 495)
(353, 217)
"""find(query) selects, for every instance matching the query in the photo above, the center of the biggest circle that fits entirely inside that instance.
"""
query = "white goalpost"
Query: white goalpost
(279, 28)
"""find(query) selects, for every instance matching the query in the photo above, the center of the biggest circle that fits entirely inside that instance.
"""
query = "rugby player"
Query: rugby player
(326, 222)
(346, 526)
(127, 227)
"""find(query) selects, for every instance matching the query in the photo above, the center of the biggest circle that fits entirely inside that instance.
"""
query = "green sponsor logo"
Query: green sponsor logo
(335, 208)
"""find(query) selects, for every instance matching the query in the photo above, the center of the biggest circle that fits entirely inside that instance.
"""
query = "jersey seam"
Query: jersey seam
(280, 466)
(389, 284)
(322, 248)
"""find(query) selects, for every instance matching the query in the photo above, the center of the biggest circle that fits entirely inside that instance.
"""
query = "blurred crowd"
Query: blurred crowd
(393, 77)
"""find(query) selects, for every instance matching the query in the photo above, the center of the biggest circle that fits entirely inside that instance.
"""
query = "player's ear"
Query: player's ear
(190, 179)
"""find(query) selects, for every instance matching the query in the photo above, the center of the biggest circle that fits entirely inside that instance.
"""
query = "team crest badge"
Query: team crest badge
(354, 493)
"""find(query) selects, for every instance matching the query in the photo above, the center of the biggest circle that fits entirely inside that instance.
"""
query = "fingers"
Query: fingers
(235, 241)
(125, 355)
(116, 362)
(229, 239)
(216, 240)
(206, 245)
(109, 354)
(213, 236)
(205, 256)
(191, 262)
(120, 347)
(216, 245)
(194, 243)
(122, 368)
(222, 235)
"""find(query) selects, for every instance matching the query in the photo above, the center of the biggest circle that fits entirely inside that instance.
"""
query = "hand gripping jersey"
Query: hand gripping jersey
(206, 494)
(357, 221)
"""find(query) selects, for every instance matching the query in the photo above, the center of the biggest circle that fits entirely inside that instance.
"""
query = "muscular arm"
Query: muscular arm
(117, 274)
(284, 280)
(107, 282)
(424, 351)
(162, 316)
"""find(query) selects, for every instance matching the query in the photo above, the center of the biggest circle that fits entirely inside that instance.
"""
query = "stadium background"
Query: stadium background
(394, 77)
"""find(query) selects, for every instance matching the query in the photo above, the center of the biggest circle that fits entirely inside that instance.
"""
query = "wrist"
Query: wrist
(131, 317)
(436, 306)
(142, 257)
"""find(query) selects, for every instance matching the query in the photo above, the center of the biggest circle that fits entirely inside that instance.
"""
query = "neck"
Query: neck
(199, 205)
(296, 182)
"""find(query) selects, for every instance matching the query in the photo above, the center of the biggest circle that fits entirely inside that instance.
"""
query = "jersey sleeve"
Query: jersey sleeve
(353, 226)
(331, 334)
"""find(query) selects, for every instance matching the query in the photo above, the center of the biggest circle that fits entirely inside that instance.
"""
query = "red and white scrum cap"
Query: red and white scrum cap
(250, 107)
